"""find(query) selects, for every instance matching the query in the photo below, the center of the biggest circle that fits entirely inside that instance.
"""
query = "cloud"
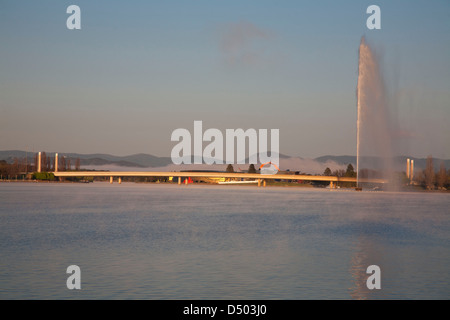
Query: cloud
(243, 43)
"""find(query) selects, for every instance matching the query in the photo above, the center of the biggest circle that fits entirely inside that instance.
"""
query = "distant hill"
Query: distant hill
(142, 160)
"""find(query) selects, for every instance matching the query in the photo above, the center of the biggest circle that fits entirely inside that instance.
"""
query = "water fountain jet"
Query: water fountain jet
(373, 141)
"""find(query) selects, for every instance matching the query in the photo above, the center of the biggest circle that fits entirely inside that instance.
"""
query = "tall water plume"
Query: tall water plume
(373, 142)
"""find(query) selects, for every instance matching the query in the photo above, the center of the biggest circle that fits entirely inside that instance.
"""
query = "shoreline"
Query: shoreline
(277, 185)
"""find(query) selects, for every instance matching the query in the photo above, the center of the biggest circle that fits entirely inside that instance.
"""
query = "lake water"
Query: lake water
(150, 241)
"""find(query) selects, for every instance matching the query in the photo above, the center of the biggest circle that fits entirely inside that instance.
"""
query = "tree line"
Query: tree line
(350, 172)
(430, 179)
(25, 165)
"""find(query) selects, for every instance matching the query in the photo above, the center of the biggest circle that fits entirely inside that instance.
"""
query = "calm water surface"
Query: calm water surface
(142, 241)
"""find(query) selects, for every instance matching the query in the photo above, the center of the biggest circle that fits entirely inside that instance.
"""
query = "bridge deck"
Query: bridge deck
(195, 174)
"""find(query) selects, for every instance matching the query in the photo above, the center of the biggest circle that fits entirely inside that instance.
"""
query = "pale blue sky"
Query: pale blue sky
(137, 70)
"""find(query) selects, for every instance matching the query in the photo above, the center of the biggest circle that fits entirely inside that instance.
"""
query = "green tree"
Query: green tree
(230, 169)
(327, 172)
(44, 176)
(350, 171)
(251, 168)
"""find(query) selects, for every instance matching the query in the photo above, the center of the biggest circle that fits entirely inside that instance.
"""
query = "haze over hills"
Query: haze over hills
(136, 160)
(141, 160)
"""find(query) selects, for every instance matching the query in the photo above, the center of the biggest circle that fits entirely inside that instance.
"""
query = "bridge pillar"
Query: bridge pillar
(111, 179)
(179, 180)
(264, 182)
(331, 185)
(120, 180)
(186, 181)
(259, 182)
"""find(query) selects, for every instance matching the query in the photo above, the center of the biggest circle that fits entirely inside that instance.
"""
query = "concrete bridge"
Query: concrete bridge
(260, 178)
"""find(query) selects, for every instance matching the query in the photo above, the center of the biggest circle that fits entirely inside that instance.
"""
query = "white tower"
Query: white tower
(39, 162)
(408, 168)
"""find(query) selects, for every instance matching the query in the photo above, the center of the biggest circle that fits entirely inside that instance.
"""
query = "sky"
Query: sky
(138, 70)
